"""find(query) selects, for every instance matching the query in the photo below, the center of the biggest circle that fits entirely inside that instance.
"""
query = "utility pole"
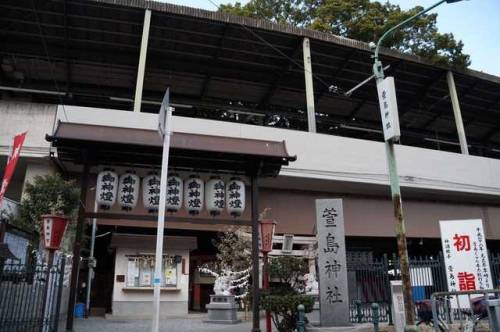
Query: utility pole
(390, 120)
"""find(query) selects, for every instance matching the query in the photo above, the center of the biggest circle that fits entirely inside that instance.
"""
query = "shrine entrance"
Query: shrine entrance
(134, 153)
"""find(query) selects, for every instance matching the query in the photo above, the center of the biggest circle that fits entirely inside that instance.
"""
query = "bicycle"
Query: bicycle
(477, 312)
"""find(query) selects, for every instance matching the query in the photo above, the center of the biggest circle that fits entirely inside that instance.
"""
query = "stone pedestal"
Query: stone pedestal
(313, 316)
(222, 309)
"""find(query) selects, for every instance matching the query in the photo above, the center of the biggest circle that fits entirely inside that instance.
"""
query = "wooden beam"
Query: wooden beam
(153, 217)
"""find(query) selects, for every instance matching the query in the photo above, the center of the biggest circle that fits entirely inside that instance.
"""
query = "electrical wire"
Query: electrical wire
(327, 86)
(44, 43)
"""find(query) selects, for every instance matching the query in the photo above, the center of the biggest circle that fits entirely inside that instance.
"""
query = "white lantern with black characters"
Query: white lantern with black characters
(235, 197)
(106, 187)
(128, 190)
(174, 193)
(194, 190)
(215, 195)
(151, 192)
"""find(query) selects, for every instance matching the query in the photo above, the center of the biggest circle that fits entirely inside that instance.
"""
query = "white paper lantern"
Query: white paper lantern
(128, 190)
(194, 190)
(235, 197)
(175, 190)
(215, 195)
(151, 191)
(106, 187)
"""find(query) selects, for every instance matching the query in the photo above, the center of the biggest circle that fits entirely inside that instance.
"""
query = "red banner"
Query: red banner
(11, 163)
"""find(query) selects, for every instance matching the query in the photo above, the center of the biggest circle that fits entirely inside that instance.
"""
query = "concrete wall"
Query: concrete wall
(367, 216)
(319, 156)
(36, 119)
(137, 303)
(330, 157)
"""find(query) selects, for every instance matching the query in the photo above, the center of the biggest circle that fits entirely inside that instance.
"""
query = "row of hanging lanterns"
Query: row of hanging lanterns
(194, 193)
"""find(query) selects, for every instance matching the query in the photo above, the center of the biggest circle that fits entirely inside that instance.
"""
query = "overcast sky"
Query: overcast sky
(475, 22)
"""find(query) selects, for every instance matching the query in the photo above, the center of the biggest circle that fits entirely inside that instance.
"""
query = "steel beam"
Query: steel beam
(308, 75)
(280, 74)
(458, 114)
(75, 267)
(441, 113)
(66, 47)
(142, 61)
(421, 94)
(207, 78)
(255, 255)
(337, 71)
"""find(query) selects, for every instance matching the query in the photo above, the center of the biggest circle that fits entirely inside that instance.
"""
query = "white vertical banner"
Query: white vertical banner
(388, 108)
(465, 256)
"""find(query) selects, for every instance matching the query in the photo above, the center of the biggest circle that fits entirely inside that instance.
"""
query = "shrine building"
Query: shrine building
(86, 80)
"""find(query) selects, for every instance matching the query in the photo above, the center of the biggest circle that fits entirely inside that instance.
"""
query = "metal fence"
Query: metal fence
(369, 282)
(30, 297)
(495, 268)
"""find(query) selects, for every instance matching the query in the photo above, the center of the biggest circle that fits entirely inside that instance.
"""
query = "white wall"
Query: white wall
(329, 157)
(121, 265)
(37, 119)
(319, 156)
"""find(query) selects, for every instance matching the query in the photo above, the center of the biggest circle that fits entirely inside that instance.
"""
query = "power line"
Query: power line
(42, 37)
(276, 49)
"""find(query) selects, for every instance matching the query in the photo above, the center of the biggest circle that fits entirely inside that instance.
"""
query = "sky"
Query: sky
(475, 22)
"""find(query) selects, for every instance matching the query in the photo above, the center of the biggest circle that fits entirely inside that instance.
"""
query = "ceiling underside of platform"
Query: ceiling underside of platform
(88, 51)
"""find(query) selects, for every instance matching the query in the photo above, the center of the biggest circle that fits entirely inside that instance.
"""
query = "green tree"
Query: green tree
(363, 20)
(49, 194)
(286, 291)
(234, 249)
(278, 11)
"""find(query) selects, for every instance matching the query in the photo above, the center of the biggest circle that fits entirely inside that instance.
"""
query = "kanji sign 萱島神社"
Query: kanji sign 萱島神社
(388, 108)
(333, 291)
(466, 256)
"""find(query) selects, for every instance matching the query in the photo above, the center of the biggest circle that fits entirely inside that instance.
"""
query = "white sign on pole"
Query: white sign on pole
(465, 256)
(388, 108)
(162, 115)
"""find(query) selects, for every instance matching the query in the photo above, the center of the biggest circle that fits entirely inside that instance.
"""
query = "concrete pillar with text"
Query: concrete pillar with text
(333, 290)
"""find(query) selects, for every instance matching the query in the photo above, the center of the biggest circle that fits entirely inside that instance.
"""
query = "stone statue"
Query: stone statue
(222, 285)
(312, 287)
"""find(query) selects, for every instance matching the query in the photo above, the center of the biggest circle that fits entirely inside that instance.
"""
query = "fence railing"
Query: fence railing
(369, 282)
(495, 268)
(30, 297)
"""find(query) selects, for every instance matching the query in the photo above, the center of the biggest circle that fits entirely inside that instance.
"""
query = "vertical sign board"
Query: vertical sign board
(388, 108)
(333, 291)
(465, 257)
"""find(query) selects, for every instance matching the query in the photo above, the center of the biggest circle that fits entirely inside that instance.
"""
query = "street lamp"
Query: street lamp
(266, 233)
(53, 230)
(390, 120)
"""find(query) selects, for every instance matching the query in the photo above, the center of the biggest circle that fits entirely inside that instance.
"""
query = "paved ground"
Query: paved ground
(192, 323)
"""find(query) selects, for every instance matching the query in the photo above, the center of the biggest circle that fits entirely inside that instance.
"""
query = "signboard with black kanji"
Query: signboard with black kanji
(388, 108)
(333, 291)
(465, 256)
